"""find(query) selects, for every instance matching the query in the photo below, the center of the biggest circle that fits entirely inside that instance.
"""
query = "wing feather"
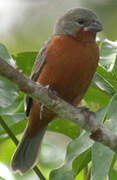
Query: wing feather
(36, 70)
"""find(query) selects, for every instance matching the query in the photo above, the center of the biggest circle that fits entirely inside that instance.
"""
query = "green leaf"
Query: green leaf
(17, 106)
(115, 70)
(101, 114)
(95, 95)
(13, 113)
(101, 161)
(14, 117)
(103, 84)
(111, 122)
(16, 128)
(110, 77)
(8, 92)
(80, 176)
(51, 155)
(67, 128)
(6, 150)
(113, 175)
(81, 161)
(5, 55)
(108, 52)
(25, 61)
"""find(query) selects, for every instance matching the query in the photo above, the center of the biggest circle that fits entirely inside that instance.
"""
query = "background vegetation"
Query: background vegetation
(25, 35)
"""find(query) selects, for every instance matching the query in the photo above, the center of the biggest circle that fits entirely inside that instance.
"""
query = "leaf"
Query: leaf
(74, 149)
(8, 91)
(16, 128)
(108, 52)
(14, 117)
(68, 128)
(95, 95)
(5, 55)
(17, 106)
(101, 114)
(25, 61)
(81, 161)
(101, 161)
(51, 155)
(103, 84)
(115, 69)
(111, 122)
(113, 175)
(110, 77)
(80, 176)
(13, 113)
(6, 150)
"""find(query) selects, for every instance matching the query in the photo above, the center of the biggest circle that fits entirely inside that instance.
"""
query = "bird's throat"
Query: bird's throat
(85, 36)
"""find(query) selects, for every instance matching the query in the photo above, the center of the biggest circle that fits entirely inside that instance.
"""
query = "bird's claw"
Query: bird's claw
(86, 112)
(52, 93)
(41, 111)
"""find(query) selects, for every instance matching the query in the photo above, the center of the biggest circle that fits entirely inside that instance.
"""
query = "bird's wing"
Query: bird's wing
(36, 70)
(39, 62)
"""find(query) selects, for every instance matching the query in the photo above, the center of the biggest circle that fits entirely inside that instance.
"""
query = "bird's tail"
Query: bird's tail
(27, 152)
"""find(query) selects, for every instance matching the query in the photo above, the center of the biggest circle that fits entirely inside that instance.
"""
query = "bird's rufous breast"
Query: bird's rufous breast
(71, 63)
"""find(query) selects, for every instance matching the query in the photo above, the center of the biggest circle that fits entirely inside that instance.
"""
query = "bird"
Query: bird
(66, 64)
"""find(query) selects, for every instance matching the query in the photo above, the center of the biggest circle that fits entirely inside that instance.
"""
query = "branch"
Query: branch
(82, 116)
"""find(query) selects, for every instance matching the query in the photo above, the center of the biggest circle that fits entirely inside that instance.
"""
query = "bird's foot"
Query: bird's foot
(51, 92)
(86, 111)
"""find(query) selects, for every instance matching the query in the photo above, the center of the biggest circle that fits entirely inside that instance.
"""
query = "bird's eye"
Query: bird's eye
(81, 21)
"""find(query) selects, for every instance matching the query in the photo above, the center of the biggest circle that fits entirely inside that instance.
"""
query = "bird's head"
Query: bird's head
(77, 19)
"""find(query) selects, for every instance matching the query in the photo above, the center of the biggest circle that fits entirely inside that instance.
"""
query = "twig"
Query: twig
(38, 173)
(8, 131)
(81, 116)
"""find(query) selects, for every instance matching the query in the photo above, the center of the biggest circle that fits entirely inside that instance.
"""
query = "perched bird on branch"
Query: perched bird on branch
(66, 65)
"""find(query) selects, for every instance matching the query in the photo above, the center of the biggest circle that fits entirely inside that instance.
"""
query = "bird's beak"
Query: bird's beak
(95, 26)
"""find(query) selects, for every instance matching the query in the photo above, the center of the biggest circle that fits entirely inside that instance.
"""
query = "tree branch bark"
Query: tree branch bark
(82, 116)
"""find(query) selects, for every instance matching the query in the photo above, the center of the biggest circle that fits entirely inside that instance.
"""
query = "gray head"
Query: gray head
(75, 20)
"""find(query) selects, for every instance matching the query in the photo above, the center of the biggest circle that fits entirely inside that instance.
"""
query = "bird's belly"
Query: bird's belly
(73, 81)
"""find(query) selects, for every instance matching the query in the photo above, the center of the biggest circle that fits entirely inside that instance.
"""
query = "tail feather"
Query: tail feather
(27, 152)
